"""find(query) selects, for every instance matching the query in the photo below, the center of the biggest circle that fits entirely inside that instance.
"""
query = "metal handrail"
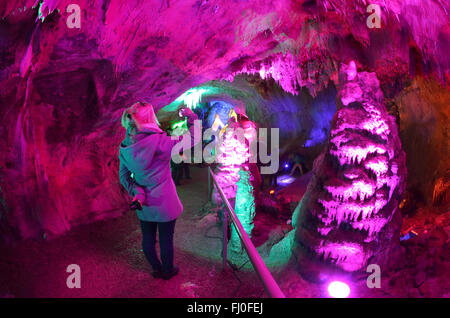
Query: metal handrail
(269, 283)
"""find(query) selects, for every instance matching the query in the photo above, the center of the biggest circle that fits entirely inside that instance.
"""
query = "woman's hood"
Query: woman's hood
(139, 155)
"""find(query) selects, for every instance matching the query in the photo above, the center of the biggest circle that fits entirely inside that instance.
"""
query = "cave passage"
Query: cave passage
(325, 124)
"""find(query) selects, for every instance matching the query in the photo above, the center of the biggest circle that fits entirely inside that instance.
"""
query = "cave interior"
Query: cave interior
(357, 99)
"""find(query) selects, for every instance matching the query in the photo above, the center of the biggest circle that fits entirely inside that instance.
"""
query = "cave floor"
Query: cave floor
(113, 265)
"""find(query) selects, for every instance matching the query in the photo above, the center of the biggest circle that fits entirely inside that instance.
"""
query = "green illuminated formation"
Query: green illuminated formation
(244, 208)
(45, 8)
(192, 97)
(180, 124)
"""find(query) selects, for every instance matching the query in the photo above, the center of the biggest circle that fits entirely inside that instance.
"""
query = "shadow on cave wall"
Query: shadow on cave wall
(423, 119)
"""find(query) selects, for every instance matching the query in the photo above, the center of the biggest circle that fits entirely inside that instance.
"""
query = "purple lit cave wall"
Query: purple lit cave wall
(366, 108)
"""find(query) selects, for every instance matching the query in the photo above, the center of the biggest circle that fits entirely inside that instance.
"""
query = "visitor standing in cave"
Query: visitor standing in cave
(174, 167)
(180, 170)
(297, 162)
(144, 171)
(251, 136)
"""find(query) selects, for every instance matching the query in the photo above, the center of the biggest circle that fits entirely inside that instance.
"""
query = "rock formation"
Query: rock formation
(244, 208)
(231, 153)
(349, 216)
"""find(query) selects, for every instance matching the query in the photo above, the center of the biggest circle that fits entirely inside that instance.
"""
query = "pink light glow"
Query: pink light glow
(338, 289)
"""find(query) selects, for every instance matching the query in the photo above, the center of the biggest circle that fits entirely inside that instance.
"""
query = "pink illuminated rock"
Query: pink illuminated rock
(232, 153)
(349, 216)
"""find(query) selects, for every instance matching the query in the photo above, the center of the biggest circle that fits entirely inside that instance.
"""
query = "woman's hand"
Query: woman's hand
(186, 111)
(136, 204)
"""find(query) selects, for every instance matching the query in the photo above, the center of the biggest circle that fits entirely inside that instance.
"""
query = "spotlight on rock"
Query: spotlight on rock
(338, 289)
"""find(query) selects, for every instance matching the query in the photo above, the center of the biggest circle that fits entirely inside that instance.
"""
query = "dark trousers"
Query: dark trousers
(166, 230)
(273, 182)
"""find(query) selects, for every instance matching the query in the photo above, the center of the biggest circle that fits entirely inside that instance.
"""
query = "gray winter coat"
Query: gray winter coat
(148, 159)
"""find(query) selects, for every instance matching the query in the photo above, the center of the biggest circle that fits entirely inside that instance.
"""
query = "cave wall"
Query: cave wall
(62, 89)
(60, 172)
(424, 112)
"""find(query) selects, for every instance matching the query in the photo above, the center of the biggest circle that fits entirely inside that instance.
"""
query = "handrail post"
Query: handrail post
(225, 239)
(209, 185)
(224, 223)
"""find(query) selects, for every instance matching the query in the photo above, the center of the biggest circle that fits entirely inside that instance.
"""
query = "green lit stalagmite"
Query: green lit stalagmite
(244, 208)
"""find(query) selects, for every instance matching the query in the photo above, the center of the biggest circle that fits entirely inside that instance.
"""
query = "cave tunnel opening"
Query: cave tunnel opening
(302, 122)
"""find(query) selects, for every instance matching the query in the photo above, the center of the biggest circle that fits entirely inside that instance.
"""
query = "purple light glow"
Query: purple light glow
(338, 289)
(286, 179)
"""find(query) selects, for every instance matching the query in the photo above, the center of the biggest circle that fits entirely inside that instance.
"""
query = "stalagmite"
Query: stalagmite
(244, 208)
(363, 139)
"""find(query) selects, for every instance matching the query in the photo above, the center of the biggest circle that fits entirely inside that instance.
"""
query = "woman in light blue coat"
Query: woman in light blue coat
(145, 155)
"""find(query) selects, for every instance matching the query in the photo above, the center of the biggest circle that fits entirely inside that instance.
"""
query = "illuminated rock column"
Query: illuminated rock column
(349, 216)
(232, 152)
(244, 208)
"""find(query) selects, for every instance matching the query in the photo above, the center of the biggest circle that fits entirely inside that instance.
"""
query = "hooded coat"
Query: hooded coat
(145, 172)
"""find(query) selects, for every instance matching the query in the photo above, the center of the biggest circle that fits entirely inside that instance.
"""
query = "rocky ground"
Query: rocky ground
(423, 271)
(112, 264)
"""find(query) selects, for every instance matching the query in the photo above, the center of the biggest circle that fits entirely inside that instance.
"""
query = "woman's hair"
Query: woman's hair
(138, 113)
(142, 112)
